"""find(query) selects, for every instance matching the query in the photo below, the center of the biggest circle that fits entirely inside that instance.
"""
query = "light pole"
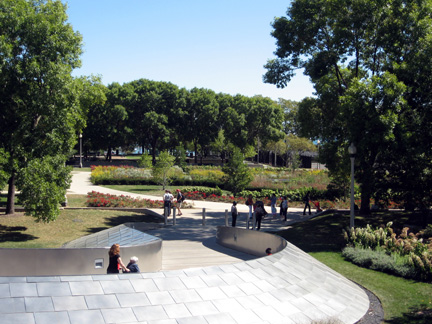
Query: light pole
(318, 143)
(80, 144)
(352, 152)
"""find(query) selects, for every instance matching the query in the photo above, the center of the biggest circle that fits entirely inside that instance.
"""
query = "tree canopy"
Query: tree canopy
(39, 107)
(364, 58)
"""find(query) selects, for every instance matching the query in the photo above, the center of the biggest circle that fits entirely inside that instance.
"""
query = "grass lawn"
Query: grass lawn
(77, 200)
(19, 231)
(82, 169)
(404, 301)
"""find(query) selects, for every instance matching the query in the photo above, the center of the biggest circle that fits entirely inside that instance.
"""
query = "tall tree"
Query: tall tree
(360, 55)
(39, 110)
(153, 113)
(290, 111)
(107, 120)
(202, 111)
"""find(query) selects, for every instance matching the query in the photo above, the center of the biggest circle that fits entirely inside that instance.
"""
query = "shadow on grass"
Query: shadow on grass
(319, 234)
(14, 234)
(416, 315)
(118, 220)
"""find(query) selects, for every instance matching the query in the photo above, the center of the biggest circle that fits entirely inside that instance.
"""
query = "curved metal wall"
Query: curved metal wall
(75, 261)
(247, 241)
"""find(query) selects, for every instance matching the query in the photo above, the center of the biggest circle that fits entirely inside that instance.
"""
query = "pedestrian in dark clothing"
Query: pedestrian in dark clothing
(234, 213)
(284, 208)
(307, 204)
(260, 212)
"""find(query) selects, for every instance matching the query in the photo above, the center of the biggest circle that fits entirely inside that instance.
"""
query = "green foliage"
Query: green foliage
(238, 175)
(369, 88)
(416, 254)
(292, 195)
(208, 191)
(380, 261)
(145, 161)
(41, 108)
(43, 187)
(162, 168)
(3, 174)
(180, 156)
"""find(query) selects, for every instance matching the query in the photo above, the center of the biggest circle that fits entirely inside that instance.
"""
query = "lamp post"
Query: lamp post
(318, 143)
(80, 153)
(352, 152)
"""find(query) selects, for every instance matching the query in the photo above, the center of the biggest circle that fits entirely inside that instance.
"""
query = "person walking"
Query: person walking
(306, 199)
(180, 198)
(167, 199)
(260, 212)
(273, 200)
(115, 262)
(284, 208)
(250, 204)
(234, 213)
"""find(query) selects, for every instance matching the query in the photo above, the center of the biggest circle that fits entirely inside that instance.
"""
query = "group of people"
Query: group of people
(258, 209)
(116, 264)
(168, 199)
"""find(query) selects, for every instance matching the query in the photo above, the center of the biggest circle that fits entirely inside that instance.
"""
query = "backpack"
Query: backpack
(183, 197)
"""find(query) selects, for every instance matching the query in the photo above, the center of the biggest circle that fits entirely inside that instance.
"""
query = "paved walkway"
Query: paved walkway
(189, 244)
(287, 287)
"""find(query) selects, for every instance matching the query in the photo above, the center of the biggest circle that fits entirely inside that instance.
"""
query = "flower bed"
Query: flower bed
(97, 199)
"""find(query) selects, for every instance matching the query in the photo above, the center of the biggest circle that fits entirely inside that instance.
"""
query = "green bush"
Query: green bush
(409, 246)
(208, 191)
(380, 261)
(292, 195)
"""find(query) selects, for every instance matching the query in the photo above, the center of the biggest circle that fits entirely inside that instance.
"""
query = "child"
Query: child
(132, 265)
(234, 213)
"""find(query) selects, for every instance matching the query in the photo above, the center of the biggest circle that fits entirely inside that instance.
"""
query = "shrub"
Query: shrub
(379, 260)
(107, 174)
(207, 174)
(416, 254)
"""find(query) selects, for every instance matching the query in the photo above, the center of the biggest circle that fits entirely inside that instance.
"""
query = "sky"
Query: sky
(220, 45)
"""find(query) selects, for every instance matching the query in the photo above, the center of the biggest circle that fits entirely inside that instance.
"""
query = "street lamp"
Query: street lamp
(318, 143)
(352, 152)
(80, 144)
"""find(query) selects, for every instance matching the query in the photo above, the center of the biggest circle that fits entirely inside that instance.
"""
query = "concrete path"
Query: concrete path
(189, 244)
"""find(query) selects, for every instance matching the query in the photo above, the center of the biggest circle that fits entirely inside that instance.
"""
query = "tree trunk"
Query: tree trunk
(10, 205)
(196, 155)
(258, 151)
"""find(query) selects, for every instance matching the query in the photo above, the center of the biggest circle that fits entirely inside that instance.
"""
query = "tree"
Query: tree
(154, 113)
(39, 108)
(145, 161)
(162, 167)
(107, 121)
(201, 119)
(44, 187)
(290, 111)
(238, 174)
(364, 59)
(251, 121)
